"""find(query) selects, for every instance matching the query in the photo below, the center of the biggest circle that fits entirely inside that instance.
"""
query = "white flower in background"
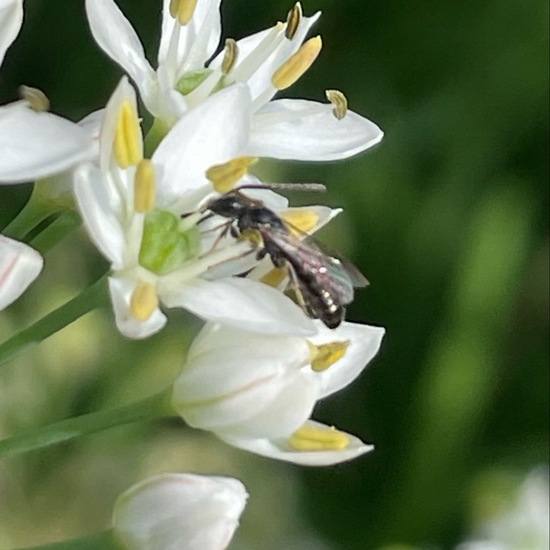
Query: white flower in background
(132, 209)
(179, 512)
(523, 525)
(265, 62)
(257, 391)
(20, 265)
(33, 144)
(11, 19)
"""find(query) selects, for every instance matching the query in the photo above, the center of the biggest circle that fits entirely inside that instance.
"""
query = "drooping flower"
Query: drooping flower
(179, 512)
(33, 143)
(19, 266)
(132, 209)
(266, 62)
(257, 391)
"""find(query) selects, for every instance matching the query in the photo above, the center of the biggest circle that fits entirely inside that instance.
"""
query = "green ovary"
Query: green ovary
(191, 80)
(164, 247)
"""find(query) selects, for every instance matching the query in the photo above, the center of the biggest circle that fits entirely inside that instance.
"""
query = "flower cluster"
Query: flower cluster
(185, 224)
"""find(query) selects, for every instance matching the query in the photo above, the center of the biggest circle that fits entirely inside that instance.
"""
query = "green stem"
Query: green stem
(89, 299)
(30, 216)
(157, 406)
(67, 222)
(103, 541)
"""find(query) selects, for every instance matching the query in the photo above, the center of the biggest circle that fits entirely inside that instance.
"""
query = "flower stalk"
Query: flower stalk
(89, 299)
(146, 409)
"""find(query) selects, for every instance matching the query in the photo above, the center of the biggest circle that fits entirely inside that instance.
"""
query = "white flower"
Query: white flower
(257, 391)
(19, 266)
(179, 512)
(33, 144)
(523, 524)
(132, 206)
(265, 62)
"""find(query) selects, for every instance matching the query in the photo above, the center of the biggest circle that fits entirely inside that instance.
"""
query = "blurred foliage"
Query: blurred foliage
(448, 218)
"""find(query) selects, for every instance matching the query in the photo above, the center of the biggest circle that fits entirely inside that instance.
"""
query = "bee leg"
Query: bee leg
(295, 285)
(229, 228)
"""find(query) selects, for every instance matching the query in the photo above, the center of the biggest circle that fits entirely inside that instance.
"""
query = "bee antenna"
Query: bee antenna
(316, 187)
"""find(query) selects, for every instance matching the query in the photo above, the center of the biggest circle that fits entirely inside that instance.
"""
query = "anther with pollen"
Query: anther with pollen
(183, 10)
(339, 103)
(312, 438)
(225, 176)
(230, 56)
(293, 20)
(145, 187)
(128, 146)
(296, 65)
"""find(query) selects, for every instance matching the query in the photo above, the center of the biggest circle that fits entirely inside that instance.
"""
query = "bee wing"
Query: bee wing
(357, 278)
(305, 257)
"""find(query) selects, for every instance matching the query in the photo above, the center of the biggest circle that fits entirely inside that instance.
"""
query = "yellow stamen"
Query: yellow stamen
(144, 301)
(127, 145)
(230, 56)
(301, 219)
(182, 10)
(339, 103)
(253, 236)
(295, 66)
(145, 187)
(38, 100)
(325, 355)
(313, 438)
(225, 176)
(274, 277)
(293, 20)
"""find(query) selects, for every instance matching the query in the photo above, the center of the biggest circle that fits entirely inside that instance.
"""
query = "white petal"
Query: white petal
(364, 345)
(304, 130)
(214, 132)
(246, 383)
(251, 53)
(91, 123)
(280, 450)
(241, 303)
(121, 292)
(11, 18)
(19, 266)
(197, 41)
(99, 216)
(117, 38)
(243, 392)
(179, 511)
(37, 145)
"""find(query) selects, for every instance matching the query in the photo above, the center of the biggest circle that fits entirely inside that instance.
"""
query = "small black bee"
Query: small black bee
(323, 285)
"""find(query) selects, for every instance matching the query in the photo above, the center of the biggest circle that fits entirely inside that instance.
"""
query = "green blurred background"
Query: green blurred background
(448, 218)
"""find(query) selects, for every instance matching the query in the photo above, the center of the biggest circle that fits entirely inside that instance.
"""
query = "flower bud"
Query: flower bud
(179, 512)
(19, 266)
